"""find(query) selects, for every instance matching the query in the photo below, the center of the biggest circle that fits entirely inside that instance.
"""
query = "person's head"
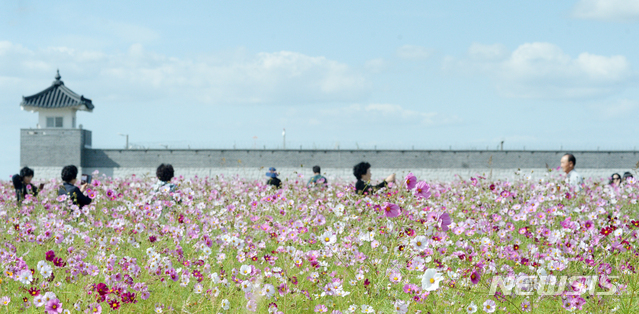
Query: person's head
(615, 179)
(164, 172)
(272, 173)
(568, 162)
(317, 170)
(26, 174)
(362, 171)
(69, 174)
(627, 175)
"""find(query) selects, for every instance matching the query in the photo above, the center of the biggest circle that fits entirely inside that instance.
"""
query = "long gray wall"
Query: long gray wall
(348, 158)
(47, 150)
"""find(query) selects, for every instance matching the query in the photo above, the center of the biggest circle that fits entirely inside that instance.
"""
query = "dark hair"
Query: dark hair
(316, 169)
(360, 169)
(627, 175)
(26, 172)
(69, 173)
(571, 157)
(164, 172)
(612, 177)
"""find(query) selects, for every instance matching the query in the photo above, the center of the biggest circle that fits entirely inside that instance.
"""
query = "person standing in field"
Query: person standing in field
(164, 173)
(22, 184)
(273, 180)
(317, 179)
(69, 178)
(573, 178)
(362, 172)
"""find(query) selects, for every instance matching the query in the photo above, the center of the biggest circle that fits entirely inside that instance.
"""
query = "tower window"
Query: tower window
(54, 122)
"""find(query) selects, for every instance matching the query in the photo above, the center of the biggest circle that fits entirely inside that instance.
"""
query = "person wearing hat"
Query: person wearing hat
(273, 180)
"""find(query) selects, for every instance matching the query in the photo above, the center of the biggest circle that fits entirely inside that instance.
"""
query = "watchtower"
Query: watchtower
(56, 141)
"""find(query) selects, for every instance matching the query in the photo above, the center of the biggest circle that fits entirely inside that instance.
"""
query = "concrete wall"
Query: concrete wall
(337, 164)
(334, 174)
(48, 150)
(408, 159)
(53, 147)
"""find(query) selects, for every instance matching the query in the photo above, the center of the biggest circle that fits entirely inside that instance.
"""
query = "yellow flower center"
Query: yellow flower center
(432, 280)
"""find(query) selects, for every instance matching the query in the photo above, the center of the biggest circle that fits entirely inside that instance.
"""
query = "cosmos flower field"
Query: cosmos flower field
(228, 245)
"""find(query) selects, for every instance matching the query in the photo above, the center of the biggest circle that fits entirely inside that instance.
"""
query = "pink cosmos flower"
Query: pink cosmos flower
(588, 224)
(444, 221)
(53, 306)
(395, 276)
(391, 210)
(422, 190)
(321, 308)
(410, 181)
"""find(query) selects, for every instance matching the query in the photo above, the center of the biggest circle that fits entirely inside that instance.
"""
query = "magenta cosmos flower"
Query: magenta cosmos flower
(410, 181)
(474, 277)
(444, 221)
(49, 256)
(53, 306)
(422, 190)
(391, 210)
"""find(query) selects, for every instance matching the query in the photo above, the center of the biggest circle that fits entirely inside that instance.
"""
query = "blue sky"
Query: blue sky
(423, 74)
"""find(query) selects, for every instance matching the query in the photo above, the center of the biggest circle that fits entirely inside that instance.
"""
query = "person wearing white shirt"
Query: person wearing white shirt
(573, 178)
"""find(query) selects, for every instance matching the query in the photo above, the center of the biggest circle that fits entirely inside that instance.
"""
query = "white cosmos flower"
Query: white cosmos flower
(419, 243)
(246, 286)
(268, 290)
(431, 279)
(245, 270)
(328, 238)
(46, 271)
(48, 297)
(401, 306)
(38, 301)
(471, 308)
(225, 304)
(618, 232)
(489, 306)
(25, 277)
(40, 265)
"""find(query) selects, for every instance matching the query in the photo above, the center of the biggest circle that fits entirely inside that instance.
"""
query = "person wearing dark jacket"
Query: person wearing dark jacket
(69, 176)
(317, 179)
(273, 180)
(362, 172)
(22, 184)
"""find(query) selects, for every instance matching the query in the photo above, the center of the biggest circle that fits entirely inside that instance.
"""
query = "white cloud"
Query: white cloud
(607, 10)
(375, 65)
(543, 70)
(129, 32)
(414, 52)
(387, 114)
(487, 52)
(616, 108)
(283, 77)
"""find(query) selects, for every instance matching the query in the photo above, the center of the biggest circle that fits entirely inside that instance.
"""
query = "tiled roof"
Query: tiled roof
(57, 96)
